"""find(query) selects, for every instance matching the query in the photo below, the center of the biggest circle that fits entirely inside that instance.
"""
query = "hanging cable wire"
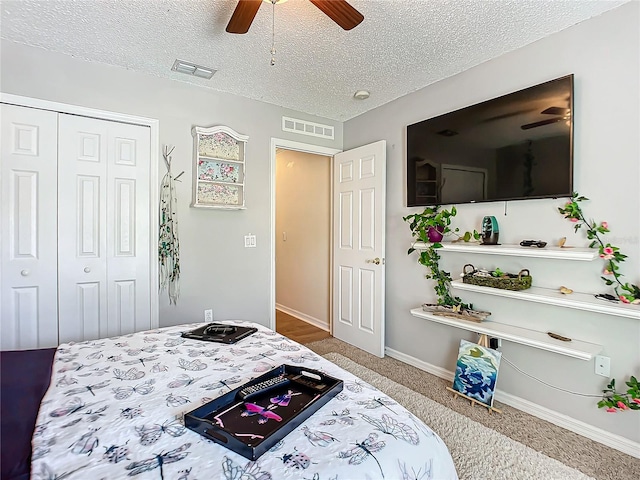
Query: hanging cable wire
(548, 384)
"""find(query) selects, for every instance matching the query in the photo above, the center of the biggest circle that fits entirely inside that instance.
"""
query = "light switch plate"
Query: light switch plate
(249, 241)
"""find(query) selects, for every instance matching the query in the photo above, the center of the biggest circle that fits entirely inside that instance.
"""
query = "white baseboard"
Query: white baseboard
(596, 434)
(304, 317)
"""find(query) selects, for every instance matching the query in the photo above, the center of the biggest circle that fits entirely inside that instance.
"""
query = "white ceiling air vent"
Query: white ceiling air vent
(303, 127)
(192, 69)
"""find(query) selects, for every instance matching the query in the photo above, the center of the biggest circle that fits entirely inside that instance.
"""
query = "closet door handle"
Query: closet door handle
(87, 269)
(24, 273)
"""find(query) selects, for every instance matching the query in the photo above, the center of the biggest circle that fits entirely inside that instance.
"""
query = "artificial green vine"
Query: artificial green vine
(612, 255)
(627, 400)
(420, 223)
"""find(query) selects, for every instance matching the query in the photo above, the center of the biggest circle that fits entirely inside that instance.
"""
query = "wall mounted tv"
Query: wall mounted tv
(513, 147)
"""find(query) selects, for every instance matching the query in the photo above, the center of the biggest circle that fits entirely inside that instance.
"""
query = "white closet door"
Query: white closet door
(128, 217)
(28, 305)
(103, 228)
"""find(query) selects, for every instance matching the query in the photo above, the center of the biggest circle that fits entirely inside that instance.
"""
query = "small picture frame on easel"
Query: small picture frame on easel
(476, 373)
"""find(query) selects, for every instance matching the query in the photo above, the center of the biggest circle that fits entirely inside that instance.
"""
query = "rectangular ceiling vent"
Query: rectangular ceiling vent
(193, 69)
(303, 127)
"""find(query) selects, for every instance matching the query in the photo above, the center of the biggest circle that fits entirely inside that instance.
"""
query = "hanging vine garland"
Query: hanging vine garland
(626, 292)
(168, 243)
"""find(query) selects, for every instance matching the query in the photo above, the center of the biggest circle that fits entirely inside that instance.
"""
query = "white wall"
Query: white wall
(603, 53)
(216, 270)
(303, 213)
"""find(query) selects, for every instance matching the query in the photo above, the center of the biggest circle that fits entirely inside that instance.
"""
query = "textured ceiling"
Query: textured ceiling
(401, 46)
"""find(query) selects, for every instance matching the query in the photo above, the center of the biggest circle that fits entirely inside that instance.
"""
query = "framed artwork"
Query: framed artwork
(477, 372)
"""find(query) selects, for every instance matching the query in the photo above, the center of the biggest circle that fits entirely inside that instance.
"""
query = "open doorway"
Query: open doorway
(302, 240)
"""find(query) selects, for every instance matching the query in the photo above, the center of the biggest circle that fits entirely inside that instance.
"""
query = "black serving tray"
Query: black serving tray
(251, 427)
(220, 332)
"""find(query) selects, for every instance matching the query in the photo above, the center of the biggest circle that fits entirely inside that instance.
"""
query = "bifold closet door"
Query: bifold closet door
(103, 234)
(29, 284)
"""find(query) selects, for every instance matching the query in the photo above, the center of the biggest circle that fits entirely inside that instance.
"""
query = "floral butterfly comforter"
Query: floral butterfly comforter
(115, 409)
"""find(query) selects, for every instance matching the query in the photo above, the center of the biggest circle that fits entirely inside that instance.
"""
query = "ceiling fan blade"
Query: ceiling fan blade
(541, 123)
(243, 15)
(340, 12)
(556, 111)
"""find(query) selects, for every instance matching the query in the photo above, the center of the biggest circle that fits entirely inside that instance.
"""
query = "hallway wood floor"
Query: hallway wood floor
(297, 330)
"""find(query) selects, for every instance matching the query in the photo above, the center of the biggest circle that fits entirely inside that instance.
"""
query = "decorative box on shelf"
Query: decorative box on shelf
(219, 170)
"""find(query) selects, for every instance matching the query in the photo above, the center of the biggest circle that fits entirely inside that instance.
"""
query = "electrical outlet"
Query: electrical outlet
(603, 366)
(495, 343)
(208, 316)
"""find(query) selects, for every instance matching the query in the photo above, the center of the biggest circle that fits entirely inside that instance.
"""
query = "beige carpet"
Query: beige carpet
(478, 452)
(587, 456)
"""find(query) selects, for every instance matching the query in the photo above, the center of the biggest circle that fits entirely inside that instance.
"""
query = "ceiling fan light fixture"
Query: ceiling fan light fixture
(361, 95)
(189, 68)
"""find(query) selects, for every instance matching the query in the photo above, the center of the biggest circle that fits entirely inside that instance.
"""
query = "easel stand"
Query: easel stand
(483, 341)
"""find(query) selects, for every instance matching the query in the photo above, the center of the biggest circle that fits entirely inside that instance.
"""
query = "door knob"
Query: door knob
(375, 261)
(87, 269)
(24, 273)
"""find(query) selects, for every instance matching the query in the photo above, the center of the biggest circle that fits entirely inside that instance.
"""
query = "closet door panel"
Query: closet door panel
(127, 235)
(82, 238)
(104, 234)
(28, 251)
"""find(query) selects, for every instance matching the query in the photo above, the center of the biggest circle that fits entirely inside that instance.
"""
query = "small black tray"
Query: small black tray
(251, 427)
(220, 332)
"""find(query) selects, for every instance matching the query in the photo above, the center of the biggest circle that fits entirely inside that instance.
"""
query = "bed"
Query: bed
(114, 408)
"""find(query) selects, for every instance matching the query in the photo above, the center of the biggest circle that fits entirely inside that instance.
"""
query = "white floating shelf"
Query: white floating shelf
(523, 336)
(558, 253)
(578, 301)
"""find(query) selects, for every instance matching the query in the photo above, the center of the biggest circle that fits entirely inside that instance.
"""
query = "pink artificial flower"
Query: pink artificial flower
(607, 253)
(636, 400)
(611, 410)
(606, 271)
(624, 299)
(622, 406)
(573, 219)
(605, 225)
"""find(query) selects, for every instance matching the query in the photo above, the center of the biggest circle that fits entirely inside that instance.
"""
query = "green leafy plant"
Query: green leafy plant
(497, 272)
(467, 236)
(613, 400)
(626, 292)
(420, 223)
(431, 217)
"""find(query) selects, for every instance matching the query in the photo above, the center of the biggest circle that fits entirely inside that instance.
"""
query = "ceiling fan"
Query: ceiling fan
(565, 114)
(337, 10)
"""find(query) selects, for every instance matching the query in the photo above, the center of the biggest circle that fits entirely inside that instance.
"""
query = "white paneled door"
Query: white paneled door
(359, 248)
(75, 218)
(103, 228)
(28, 305)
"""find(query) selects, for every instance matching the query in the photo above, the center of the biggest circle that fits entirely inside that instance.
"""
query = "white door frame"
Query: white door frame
(298, 147)
(154, 128)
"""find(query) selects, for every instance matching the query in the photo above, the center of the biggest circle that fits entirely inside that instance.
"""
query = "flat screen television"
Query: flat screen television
(513, 147)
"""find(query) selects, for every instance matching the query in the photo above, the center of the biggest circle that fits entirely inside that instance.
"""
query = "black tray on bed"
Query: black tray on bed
(252, 426)
(220, 332)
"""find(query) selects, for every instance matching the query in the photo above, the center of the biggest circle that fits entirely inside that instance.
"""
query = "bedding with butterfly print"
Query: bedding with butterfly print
(115, 407)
